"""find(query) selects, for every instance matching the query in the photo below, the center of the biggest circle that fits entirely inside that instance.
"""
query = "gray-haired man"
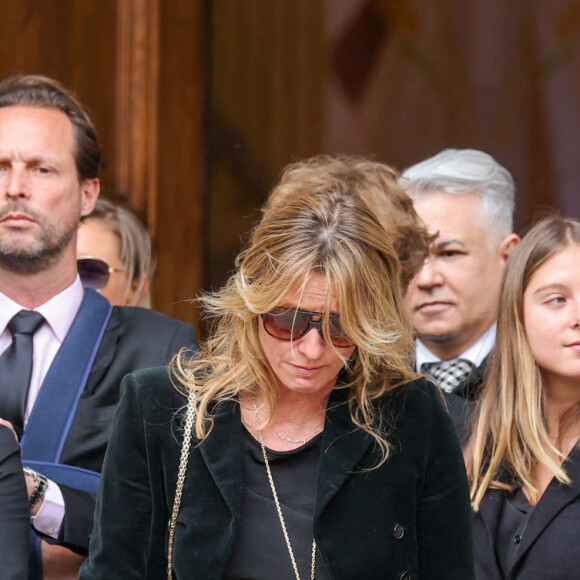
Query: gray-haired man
(468, 199)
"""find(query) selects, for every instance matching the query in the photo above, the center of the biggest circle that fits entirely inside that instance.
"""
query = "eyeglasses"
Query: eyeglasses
(292, 324)
(94, 272)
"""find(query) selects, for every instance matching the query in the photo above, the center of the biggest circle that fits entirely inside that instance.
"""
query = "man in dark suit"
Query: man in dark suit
(79, 346)
(468, 199)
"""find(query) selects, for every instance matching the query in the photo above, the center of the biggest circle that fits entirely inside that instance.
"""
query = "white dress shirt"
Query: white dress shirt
(474, 354)
(59, 313)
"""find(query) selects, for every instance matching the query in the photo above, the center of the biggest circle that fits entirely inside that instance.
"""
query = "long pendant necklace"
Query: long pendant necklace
(277, 502)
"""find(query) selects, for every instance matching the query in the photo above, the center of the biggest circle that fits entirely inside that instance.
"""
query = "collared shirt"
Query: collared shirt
(475, 353)
(59, 313)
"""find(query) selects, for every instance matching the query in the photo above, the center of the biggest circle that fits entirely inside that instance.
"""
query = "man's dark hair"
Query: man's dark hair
(42, 91)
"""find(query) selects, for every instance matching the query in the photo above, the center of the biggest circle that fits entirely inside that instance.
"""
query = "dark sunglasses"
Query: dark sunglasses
(292, 324)
(94, 272)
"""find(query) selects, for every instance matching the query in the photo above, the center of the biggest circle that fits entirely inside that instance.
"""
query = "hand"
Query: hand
(59, 563)
(9, 425)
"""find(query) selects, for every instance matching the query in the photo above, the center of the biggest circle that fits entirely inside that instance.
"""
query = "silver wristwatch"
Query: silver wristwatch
(40, 485)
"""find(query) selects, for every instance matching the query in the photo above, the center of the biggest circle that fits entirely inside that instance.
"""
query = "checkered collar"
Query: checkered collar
(474, 354)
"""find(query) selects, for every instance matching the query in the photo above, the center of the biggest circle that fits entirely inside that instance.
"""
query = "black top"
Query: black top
(513, 521)
(514, 541)
(259, 549)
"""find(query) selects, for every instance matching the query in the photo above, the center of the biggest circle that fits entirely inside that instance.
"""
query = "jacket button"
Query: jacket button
(398, 532)
(405, 576)
(517, 539)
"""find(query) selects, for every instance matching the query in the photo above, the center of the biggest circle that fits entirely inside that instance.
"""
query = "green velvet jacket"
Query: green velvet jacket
(408, 519)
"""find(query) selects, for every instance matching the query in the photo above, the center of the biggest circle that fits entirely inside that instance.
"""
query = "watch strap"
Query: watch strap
(40, 485)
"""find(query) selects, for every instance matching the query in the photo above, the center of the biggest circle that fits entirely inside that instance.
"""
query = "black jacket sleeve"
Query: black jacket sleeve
(14, 511)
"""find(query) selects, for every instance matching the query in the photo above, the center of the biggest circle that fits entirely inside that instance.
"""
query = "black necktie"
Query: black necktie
(16, 367)
(449, 375)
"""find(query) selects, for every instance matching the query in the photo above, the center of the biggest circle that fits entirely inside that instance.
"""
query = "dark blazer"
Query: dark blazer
(407, 519)
(462, 402)
(135, 338)
(550, 548)
(14, 511)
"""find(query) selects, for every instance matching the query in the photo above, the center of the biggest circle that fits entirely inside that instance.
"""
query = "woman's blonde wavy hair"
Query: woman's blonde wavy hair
(328, 233)
(510, 435)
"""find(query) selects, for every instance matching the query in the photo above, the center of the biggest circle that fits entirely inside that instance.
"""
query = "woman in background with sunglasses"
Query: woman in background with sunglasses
(298, 443)
(115, 255)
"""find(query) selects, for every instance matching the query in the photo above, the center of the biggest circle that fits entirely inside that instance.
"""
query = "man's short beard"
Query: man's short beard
(41, 253)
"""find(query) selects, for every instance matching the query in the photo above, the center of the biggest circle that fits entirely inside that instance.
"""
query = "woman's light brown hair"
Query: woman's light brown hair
(510, 435)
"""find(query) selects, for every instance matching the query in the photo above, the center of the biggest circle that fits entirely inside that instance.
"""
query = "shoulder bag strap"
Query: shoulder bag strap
(55, 407)
(184, 458)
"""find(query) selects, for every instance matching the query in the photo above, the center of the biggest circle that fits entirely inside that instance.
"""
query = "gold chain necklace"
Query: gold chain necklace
(303, 440)
(277, 502)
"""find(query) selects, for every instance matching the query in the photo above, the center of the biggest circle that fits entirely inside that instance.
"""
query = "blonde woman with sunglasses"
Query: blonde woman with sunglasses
(115, 255)
(299, 443)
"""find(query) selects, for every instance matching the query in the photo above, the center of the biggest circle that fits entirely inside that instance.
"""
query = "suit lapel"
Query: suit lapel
(106, 353)
(556, 497)
(222, 453)
(343, 446)
(472, 385)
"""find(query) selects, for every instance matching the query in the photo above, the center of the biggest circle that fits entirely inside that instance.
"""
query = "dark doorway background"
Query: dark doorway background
(201, 103)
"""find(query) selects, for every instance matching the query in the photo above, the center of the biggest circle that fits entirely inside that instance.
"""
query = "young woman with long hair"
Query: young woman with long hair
(523, 460)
